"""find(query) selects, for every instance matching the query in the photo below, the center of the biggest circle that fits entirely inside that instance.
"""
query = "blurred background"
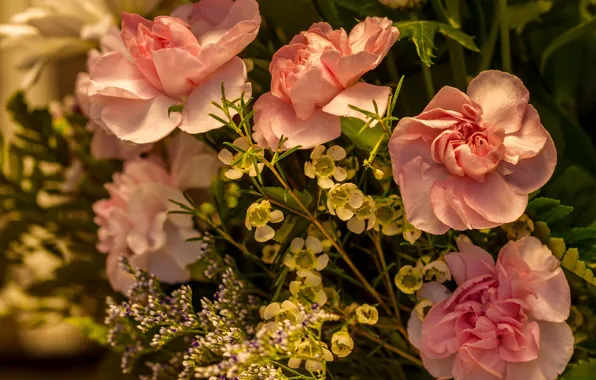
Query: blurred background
(27, 350)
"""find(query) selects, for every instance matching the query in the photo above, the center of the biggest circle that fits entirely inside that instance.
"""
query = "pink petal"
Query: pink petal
(530, 174)
(528, 141)
(81, 92)
(556, 349)
(415, 180)
(188, 68)
(137, 120)
(275, 118)
(199, 105)
(472, 261)
(414, 329)
(347, 69)
(130, 25)
(313, 88)
(434, 292)
(494, 199)
(164, 266)
(447, 198)
(361, 95)
(404, 147)
(448, 98)
(106, 146)
(112, 41)
(530, 335)
(193, 163)
(503, 99)
(439, 368)
(114, 76)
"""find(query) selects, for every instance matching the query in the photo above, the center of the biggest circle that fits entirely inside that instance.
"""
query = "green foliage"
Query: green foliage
(519, 15)
(90, 329)
(569, 36)
(584, 370)
(282, 195)
(364, 138)
(548, 210)
(422, 34)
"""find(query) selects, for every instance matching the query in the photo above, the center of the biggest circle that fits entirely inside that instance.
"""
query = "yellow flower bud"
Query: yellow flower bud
(367, 314)
(342, 343)
(409, 279)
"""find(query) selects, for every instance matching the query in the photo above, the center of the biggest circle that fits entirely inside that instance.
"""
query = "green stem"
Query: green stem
(395, 78)
(442, 14)
(456, 52)
(488, 48)
(428, 81)
(505, 50)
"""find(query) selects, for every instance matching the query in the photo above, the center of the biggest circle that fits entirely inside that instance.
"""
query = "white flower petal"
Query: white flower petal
(295, 287)
(296, 245)
(226, 156)
(356, 225)
(263, 234)
(344, 213)
(271, 310)
(277, 216)
(337, 152)
(314, 244)
(233, 174)
(321, 297)
(294, 362)
(340, 173)
(322, 262)
(325, 183)
(317, 152)
(356, 199)
(309, 171)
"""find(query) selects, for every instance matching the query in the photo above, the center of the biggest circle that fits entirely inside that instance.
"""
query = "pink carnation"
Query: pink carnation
(315, 79)
(134, 222)
(172, 62)
(504, 321)
(469, 161)
(104, 144)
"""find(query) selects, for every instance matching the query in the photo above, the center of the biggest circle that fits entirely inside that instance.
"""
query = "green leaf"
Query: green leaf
(569, 36)
(91, 329)
(584, 370)
(548, 210)
(578, 234)
(281, 195)
(364, 139)
(521, 14)
(422, 34)
(571, 261)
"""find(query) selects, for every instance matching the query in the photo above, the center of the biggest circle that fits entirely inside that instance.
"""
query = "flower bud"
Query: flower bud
(342, 343)
(409, 279)
(367, 314)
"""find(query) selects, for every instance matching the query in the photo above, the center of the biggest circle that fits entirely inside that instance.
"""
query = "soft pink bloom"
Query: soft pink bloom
(315, 79)
(504, 321)
(168, 62)
(469, 161)
(134, 222)
(104, 144)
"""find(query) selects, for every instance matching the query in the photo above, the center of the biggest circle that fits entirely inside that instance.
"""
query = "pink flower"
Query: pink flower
(504, 321)
(469, 161)
(315, 79)
(134, 222)
(104, 144)
(131, 93)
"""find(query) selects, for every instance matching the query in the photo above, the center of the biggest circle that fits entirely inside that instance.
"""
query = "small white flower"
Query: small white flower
(258, 216)
(303, 255)
(324, 167)
(242, 163)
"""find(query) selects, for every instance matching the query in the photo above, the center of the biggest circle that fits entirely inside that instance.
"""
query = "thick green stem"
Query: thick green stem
(505, 50)
(456, 52)
(488, 48)
(428, 81)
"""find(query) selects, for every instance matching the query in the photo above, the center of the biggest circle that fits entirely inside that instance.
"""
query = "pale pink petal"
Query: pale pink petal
(347, 69)
(439, 368)
(112, 41)
(81, 92)
(530, 174)
(503, 99)
(528, 141)
(165, 267)
(114, 76)
(448, 98)
(415, 180)
(494, 199)
(510, 349)
(449, 206)
(361, 95)
(106, 146)
(414, 329)
(275, 118)
(472, 261)
(552, 300)
(199, 105)
(313, 89)
(556, 349)
(130, 25)
(188, 69)
(193, 164)
(434, 292)
(119, 279)
(137, 120)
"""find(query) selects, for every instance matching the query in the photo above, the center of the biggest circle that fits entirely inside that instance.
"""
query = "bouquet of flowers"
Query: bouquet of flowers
(280, 189)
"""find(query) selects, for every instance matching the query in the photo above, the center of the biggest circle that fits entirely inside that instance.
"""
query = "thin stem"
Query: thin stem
(428, 81)
(488, 48)
(376, 239)
(456, 52)
(442, 14)
(395, 78)
(333, 241)
(505, 50)
(389, 347)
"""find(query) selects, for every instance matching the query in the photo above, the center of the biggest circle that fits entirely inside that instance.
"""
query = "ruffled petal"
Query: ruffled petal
(193, 164)
(528, 141)
(472, 261)
(361, 95)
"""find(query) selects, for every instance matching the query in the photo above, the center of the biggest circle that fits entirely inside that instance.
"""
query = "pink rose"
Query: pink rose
(131, 93)
(504, 321)
(469, 161)
(134, 222)
(104, 144)
(315, 79)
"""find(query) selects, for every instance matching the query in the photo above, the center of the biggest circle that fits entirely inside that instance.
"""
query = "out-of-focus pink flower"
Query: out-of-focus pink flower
(134, 222)
(104, 144)
(504, 321)
(469, 161)
(314, 80)
(131, 93)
